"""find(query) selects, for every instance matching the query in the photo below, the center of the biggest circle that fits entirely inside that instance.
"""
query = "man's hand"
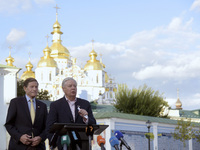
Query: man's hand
(83, 112)
(36, 140)
(25, 139)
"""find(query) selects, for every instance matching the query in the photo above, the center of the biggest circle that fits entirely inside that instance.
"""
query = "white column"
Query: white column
(111, 123)
(8, 90)
(155, 132)
(190, 144)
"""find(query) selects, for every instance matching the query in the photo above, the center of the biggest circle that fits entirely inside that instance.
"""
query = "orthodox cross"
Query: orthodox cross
(92, 44)
(47, 36)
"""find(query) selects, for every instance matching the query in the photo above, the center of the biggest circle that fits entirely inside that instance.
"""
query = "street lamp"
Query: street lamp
(148, 123)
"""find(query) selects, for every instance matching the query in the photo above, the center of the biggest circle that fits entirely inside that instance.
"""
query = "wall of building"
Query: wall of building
(134, 134)
(8, 90)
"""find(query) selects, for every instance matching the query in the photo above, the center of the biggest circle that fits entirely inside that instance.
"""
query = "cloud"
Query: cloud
(195, 5)
(181, 67)
(163, 52)
(175, 23)
(15, 36)
(44, 2)
(15, 6)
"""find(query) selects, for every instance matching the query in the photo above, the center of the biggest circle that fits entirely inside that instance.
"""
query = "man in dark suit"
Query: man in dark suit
(26, 119)
(69, 109)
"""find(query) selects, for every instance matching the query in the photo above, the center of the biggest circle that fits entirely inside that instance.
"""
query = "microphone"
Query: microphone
(101, 141)
(86, 116)
(76, 139)
(120, 136)
(65, 141)
(114, 142)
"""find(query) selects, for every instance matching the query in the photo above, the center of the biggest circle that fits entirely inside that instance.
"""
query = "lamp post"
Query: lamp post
(148, 123)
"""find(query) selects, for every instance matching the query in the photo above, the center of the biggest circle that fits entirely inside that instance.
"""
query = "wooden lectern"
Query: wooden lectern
(80, 134)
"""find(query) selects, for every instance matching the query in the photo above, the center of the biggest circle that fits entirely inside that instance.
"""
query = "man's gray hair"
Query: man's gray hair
(67, 79)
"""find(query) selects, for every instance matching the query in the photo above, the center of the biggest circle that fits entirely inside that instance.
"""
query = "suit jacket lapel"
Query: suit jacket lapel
(37, 110)
(25, 105)
(67, 109)
(76, 109)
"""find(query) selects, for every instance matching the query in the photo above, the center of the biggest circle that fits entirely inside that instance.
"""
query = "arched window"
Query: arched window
(97, 78)
(50, 76)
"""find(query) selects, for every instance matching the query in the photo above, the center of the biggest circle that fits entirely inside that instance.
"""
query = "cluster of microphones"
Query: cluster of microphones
(115, 141)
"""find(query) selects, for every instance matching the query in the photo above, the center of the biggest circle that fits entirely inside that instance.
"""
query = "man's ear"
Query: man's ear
(24, 88)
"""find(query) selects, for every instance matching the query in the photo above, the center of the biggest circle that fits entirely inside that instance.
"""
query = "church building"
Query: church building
(56, 64)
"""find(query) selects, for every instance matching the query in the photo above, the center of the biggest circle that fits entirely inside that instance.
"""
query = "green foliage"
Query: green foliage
(142, 101)
(43, 95)
(149, 135)
(184, 131)
(20, 89)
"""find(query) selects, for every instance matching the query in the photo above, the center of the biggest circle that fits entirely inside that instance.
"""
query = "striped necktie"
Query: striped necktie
(32, 111)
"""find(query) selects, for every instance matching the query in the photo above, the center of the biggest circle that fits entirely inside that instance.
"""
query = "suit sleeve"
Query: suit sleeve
(43, 134)
(91, 120)
(51, 119)
(10, 121)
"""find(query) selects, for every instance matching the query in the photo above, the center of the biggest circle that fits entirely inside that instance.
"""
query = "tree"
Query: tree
(184, 131)
(20, 89)
(42, 95)
(142, 101)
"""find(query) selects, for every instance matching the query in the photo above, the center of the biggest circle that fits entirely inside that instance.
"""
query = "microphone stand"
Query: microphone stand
(121, 146)
(90, 138)
(65, 147)
(89, 132)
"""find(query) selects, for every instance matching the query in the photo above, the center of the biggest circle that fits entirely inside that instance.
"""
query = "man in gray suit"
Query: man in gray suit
(26, 119)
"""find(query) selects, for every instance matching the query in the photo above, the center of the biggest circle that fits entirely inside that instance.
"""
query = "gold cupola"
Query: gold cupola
(28, 73)
(47, 60)
(93, 63)
(10, 60)
(57, 49)
(178, 102)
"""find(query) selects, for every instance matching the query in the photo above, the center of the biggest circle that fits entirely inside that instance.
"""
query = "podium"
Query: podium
(80, 134)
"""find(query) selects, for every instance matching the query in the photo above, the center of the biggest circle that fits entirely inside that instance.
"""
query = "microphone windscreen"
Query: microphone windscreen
(100, 140)
(118, 135)
(113, 141)
(65, 139)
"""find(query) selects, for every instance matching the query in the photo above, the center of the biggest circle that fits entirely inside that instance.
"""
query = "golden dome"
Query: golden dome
(56, 27)
(59, 51)
(29, 73)
(47, 60)
(178, 104)
(10, 60)
(93, 63)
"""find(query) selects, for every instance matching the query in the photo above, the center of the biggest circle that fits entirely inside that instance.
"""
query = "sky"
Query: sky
(150, 42)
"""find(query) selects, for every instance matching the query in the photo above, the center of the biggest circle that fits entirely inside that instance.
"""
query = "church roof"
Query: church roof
(57, 49)
(109, 111)
(188, 114)
(47, 60)
(5, 66)
(93, 63)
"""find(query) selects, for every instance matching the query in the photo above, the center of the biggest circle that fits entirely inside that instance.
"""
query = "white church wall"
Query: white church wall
(8, 90)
